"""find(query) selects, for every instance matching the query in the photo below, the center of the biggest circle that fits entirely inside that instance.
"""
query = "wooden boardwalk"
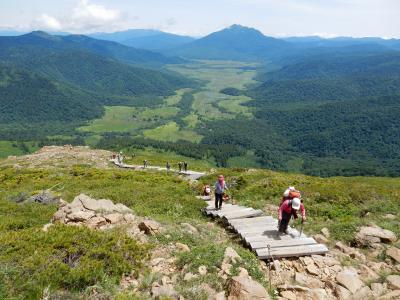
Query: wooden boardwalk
(260, 232)
(193, 175)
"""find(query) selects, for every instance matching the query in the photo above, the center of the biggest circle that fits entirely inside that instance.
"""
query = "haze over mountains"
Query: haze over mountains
(319, 106)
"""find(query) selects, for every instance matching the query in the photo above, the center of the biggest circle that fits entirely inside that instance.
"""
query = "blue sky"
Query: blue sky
(327, 18)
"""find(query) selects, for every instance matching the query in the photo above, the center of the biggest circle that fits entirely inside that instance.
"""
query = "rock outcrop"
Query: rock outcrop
(369, 235)
(92, 213)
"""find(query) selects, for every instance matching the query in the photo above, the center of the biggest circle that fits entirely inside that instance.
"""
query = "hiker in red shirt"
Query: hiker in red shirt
(288, 209)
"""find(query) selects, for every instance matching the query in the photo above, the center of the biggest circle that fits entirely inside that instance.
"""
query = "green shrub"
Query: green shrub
(65, 257)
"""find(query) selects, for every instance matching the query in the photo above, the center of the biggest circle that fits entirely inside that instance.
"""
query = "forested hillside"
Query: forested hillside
(39, 40)
(47, 81)
(340, 112)
(28, 97)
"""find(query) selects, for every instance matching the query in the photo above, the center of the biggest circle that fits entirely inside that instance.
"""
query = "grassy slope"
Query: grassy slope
(33, 260)
(341, 204)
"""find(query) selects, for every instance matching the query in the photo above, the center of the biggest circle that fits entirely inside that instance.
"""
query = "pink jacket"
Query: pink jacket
(287, 207)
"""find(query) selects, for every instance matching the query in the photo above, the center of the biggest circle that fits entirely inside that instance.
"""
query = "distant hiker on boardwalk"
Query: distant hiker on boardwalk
(168, 166)
(180, 166)
(288, 209)
(120, 158)
(220, 187)
(185, 165)
(145, 163)
(207, 191)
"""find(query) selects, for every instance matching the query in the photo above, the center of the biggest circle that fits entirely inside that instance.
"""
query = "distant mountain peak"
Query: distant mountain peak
(39, 33)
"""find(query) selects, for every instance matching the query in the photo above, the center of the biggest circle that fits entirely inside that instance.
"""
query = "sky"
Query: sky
(326, 18)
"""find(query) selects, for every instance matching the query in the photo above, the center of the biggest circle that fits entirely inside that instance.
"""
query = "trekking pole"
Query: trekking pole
(269, 269)
(301, 229)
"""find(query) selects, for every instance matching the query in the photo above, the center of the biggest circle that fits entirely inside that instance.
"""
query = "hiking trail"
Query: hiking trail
(193, 175)
(258, 231)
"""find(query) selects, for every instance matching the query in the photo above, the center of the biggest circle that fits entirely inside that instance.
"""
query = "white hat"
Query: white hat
(296, 203)
(291, 188)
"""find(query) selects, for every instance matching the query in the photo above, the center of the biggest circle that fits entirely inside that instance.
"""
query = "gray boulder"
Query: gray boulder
(369, 235)
(46, 197)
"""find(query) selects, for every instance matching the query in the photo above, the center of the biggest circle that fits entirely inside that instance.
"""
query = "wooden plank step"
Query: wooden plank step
(252, 228)
(211, 209)
(244, 214)
(282, 243)
(271, 235)
(279, 252)
(205, 198)
(271, 231)
(240, 209)
(260, 223)
(256, 225)
(226, 210)
(260, 230)
(251, 221)
(211, 205)
(222, 214)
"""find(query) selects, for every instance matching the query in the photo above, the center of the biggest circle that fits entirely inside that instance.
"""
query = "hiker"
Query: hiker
(288, 209)
(168, 166)
(185, 165)
(180, 166)
(220, 187)
(145, 163)
(290, 193)
(206, 190)
(119, 158)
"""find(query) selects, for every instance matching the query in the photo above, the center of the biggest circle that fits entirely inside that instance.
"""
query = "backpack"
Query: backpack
(294, 194)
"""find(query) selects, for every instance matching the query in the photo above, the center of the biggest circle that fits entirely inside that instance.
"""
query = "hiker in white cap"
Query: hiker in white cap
(288, 209)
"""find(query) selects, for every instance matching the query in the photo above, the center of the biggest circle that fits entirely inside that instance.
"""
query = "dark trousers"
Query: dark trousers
(283, 225)
(218, 200)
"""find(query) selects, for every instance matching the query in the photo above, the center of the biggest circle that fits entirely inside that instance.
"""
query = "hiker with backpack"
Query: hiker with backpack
(185, 166)
(220, 187)
(168, 166)
(180, 166)
(145, 164)
(288, 209)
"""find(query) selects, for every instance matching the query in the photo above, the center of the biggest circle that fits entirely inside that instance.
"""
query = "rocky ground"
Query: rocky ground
(103, 214)
(370, 272)
(61, 156)
(346, 272)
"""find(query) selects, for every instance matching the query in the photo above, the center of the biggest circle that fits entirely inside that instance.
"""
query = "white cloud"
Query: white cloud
(88, 12)
(85, 16)
(47, 22)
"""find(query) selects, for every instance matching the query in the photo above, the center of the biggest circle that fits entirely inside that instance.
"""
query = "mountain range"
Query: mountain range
(146, 39)
(323, 107)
